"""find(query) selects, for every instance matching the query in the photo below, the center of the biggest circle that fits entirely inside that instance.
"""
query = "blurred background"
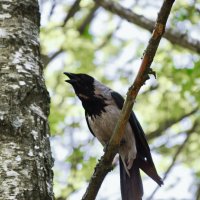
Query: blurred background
(81, 37)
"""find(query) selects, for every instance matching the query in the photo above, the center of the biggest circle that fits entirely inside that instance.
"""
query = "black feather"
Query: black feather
(144, 160)
(94, 106)
(131, 187)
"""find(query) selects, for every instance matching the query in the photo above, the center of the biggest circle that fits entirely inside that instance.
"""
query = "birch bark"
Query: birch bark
(25, 156)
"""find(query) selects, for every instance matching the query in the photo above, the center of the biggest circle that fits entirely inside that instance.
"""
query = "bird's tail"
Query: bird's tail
(131, 187)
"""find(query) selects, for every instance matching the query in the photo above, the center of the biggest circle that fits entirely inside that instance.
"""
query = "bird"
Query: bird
(102, 107)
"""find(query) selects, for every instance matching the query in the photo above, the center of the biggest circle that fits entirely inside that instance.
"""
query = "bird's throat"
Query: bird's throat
(94, 106)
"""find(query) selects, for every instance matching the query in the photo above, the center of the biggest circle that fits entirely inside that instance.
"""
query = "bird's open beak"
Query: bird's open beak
(72, 77)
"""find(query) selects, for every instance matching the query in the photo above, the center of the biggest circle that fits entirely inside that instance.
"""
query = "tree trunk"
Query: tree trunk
(25, 156)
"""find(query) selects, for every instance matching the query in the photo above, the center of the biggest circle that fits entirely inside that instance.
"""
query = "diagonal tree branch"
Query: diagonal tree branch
(169, 123)
(175, 157)
(72, 11)
(105, 163)
(75, 7)
(198, 192)
(46, 59)
(175, 37)
(52, 8)
(88, 19)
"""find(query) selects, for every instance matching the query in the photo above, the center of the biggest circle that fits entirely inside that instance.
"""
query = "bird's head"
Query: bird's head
(83, 85)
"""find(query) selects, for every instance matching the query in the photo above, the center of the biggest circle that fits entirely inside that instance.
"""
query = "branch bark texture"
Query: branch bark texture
(175, 37)
(105, 164)
(25, 156)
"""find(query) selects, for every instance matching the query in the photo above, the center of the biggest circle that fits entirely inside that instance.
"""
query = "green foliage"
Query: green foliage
(105, 54)
(186, 11)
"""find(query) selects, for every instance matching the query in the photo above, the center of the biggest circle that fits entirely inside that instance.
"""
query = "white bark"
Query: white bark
(25, 156)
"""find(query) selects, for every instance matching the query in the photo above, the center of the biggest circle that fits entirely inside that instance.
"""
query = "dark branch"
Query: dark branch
(88, 19)
(175, 37)
(46, 59)
(175, 157)
(150, 89)
(72, 11)
(168, 124)
(198, 192)
(52, 8)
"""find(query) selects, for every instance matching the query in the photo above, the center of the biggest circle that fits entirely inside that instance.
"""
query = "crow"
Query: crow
(102, 109)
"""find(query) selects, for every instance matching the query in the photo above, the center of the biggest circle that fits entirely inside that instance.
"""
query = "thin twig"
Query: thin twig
(88, 19)
(72, 11)
(75, 7)
(169, 123)
(198, 192)
(52, 8)
(175, 157)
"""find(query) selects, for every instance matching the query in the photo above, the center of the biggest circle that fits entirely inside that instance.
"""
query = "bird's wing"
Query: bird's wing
(86, 117)
(144, 159)
(137, 129)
